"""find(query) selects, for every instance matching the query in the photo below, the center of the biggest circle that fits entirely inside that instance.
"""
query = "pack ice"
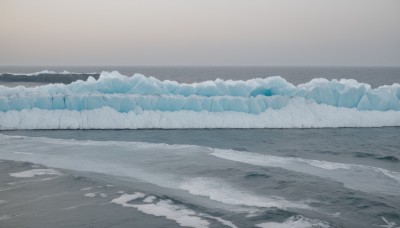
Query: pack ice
(115, 101)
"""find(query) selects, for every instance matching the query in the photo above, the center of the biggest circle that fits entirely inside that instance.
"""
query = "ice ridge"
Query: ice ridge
(318, 103)
(147, 93)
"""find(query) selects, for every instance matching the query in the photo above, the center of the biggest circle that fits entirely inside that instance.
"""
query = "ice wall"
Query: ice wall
(257, 99)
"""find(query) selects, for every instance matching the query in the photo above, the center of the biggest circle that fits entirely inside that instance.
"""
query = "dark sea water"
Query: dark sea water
(333, 177)
(375, 76)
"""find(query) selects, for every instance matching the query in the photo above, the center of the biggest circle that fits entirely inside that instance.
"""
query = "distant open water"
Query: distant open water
(375, 76)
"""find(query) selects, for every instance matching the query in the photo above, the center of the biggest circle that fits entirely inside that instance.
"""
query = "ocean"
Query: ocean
(375, 76)
(213, 177)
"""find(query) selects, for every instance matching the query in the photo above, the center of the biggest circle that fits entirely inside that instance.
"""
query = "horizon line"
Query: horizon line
(161, 65)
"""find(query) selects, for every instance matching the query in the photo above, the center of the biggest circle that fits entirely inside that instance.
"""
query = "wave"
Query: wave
(218, 191)
(168, 209)
(354, 176)
(297, 221)
(258, 103)
(191, 178)
(44, 72)
(351, 175)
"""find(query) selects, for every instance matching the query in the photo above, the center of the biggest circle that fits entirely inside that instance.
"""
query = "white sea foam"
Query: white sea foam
(393, 175)
(388, 224)
(125, 198)
(5, 189)
(35, 180)
(149, 199)
(90, 194)
(222, 221)
(219, 191)
(35, 73)
(44, 72)
(297, 221)
(164, 208)
(358, 177)
(270, 160)
(23, 153)
(352, 175)
(76, 206)
(35, 172)
(182, 215)
(86, 189)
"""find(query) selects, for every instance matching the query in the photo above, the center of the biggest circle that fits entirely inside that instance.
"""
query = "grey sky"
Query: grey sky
(200, 32)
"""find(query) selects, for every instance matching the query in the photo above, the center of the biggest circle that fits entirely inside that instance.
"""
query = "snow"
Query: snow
(35, 172)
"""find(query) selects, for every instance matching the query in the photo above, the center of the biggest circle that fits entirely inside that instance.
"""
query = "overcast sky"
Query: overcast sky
(200, 32)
